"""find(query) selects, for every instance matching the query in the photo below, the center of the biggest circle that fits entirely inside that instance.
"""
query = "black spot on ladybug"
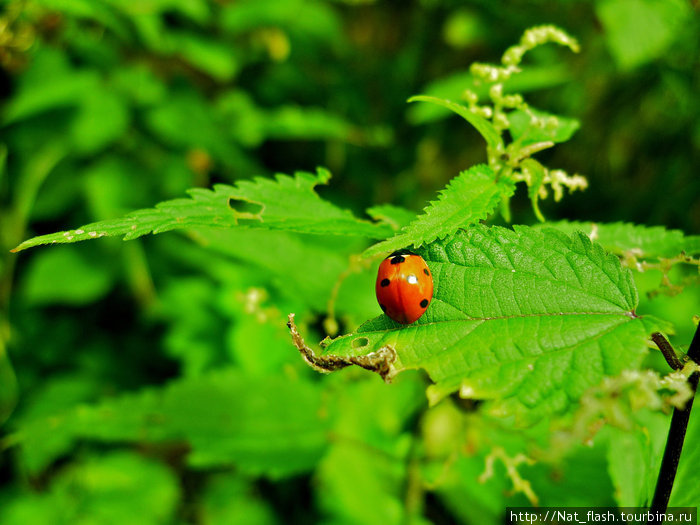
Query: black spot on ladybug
(426, 272)
(424, 303)
(382, 307)
(398, 259)
(384, 283)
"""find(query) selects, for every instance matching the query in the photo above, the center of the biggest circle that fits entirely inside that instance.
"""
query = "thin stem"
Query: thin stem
(676, 436)
(667, 350)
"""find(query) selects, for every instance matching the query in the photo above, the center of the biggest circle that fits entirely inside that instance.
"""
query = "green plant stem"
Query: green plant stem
(676, 436)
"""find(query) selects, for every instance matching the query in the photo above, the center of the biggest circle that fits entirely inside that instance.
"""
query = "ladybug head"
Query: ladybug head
(403, 251)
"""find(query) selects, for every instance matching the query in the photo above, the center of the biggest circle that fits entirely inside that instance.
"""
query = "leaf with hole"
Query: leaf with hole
(283, 203)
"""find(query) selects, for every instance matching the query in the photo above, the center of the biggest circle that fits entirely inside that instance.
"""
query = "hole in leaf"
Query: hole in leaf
(360, 342)
(245, 207)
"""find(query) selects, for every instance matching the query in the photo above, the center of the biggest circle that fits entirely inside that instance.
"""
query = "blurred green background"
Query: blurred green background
(154, 381)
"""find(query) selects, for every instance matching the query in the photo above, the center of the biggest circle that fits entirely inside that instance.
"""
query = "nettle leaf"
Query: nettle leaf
(529, 318)
(272, 426)
(634, 239)
(483, 126)
(468, 198)
(283, 203)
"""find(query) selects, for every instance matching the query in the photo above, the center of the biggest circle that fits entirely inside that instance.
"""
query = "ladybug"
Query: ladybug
(404, 286)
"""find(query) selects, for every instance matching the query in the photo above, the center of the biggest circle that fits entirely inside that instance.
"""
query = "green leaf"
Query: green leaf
(102, 118)
(65, 90)
(214, 57)
(230, 498)
(638, 31)
(285, 258)
(560, 130)
(362, 477)
(270, 426)
(139, 84)
(119, 487)
(305, 123)
(648, 242)
(184, 120)
(66, 276)
(483, 126)
(468, 198)
(307, 19)
(633, 458)
(527, 317)
(284, 203)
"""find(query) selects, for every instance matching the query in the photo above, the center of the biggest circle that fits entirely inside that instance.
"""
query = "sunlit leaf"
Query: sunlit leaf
(468, 198)
(283, 203)
(530, 318)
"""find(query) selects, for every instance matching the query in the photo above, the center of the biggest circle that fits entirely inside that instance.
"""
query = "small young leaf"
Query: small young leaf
(531, 318)
(529, 79)
(284, 203)
(483, 126)
(560, 129)
(536, 172)
(468, 198)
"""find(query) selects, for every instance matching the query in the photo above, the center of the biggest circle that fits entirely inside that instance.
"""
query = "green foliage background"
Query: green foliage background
(155, 381)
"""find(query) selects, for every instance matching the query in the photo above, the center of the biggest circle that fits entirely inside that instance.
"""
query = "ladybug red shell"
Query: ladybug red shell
(404, 286)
